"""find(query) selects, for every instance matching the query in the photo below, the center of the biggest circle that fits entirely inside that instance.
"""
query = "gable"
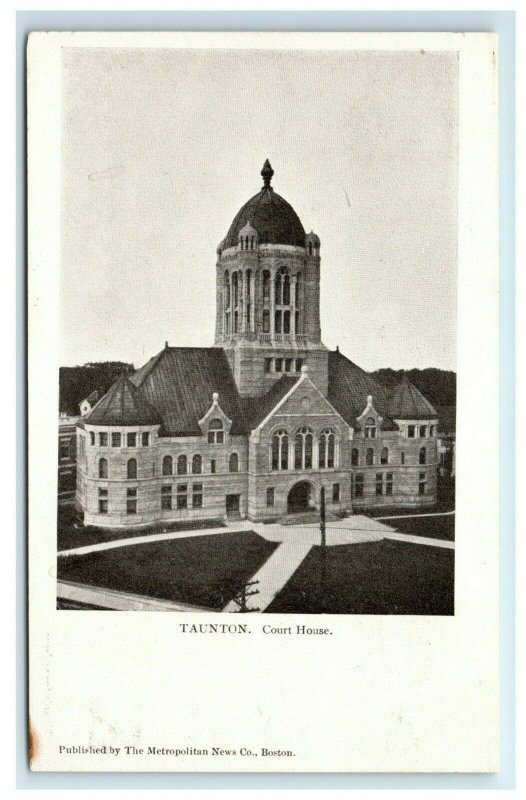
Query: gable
(303, 404)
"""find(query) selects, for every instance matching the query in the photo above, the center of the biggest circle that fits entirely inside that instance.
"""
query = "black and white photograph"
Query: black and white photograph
(263, 296)
(257, 388)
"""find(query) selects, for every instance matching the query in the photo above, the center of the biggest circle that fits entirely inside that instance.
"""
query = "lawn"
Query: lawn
(202, 570)
(70, 537)
(385, 577)
(442, 527)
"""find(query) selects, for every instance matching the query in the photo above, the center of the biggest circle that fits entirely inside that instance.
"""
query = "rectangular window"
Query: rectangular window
(411, 431)
(288, 365)
(279, 365)
(131, 501)
(145, 439)
(268, 365)
(115, 440)
(64, 450)
(389, 483)
(166, 498)
(431, 430)
(270, 496)
(422, 483)
(335, 492)
(182, 496)
(131, 440)
(103, 439)
(402, 458)
(91, 437)
(358, 485)
(213, 466)
(299, 364)
(103, 501)
(422, 431)
(197, 495)
(379, 483)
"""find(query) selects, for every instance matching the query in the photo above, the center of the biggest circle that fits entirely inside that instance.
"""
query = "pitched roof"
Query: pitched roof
(408, 403)
(180, 382)
(257, 408)
(349, 387)
(123, 405)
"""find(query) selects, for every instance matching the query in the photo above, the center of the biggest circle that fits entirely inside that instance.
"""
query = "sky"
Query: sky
(162, 147)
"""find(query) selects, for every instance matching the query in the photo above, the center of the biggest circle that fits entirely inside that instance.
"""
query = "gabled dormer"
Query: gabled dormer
(370, 420)
(215, 424)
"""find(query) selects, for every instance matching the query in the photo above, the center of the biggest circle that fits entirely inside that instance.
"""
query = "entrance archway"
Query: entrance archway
(301, 498)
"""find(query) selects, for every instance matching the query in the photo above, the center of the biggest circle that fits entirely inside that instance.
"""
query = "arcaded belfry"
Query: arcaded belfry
(256, 425)
(268, 294)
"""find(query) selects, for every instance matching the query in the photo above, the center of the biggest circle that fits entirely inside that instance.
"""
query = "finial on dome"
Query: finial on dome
(267, 172)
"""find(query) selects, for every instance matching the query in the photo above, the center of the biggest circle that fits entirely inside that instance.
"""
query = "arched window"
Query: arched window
(103, 467)
(303, 449)
(369, 456)
(277, 321)
(266, 284)
(233, 463)
(182, 465)
(216, 434)
(167, 465)
(384, 456)
(277, 290)
(248, 293)
(227, 290)
(370, 428)
(279, 451)
(235, 292)
(197, 465)
(354, 457)
(422, 456)
(327, 449)
(286, 290)
(131, 468)
(310, 248)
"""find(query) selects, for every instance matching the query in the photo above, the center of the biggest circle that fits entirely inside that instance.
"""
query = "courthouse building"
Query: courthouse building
(256, 425)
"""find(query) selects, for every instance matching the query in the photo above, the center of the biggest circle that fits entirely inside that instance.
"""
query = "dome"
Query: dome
(273, 218)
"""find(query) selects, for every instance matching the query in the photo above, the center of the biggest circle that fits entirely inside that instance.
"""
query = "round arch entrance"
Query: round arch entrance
(301, 498)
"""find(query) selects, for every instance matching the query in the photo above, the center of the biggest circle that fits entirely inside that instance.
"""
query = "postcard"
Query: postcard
(263, 341)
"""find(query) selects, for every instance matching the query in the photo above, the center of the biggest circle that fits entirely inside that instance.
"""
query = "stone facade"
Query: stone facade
(293, 418)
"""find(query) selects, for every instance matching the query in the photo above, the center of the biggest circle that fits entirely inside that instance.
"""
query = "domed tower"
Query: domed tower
(268, 294)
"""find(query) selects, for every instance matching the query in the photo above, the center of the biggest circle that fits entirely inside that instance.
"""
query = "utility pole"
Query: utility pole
(241, 598)
(323, 581)
(322, 517)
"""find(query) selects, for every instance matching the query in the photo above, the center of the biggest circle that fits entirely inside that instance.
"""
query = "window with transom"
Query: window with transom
(303, 446)
(327, 449)
(216, 434)
(279, 451)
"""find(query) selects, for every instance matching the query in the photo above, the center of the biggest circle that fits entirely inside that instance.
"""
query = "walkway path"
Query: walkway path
(118, 601)
(295, 543)
(420, 516)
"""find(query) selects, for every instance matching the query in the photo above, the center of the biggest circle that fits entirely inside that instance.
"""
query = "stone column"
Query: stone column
(253, 302)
